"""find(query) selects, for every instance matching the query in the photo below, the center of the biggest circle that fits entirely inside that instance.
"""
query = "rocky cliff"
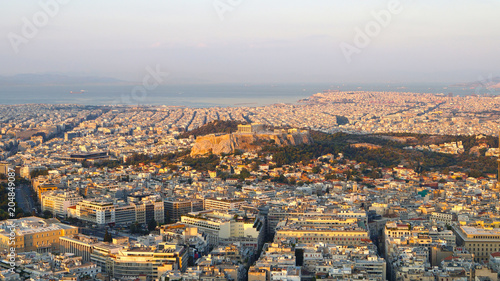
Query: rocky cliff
(229, 143)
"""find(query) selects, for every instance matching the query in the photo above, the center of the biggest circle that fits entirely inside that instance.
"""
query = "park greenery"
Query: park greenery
(4, 202)
(214, 127)
(388, 151)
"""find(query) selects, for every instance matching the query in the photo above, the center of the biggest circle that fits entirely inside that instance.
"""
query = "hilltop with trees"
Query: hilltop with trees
(214, 127)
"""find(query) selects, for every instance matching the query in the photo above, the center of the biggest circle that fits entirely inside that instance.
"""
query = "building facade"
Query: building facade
(98, 212)
(250, 128)
(222, 204)
(175, 208)
(34, 234)
(479, 241)
(125, 214)
(59, 202)
(80, 245)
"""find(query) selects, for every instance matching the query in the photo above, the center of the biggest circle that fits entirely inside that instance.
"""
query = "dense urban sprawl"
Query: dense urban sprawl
(111, 193)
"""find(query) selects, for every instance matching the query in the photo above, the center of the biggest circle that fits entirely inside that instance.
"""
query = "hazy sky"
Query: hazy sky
(254, 40)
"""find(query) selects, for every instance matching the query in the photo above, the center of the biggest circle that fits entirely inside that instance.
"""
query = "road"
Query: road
(99, 232)
(24, 200)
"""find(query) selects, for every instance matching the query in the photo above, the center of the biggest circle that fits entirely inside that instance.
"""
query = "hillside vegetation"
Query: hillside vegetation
(377, 150)
(214, 127)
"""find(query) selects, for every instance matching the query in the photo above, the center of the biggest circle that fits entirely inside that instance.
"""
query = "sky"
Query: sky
(254, 41)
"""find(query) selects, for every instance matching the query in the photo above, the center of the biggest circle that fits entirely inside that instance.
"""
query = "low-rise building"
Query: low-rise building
(479, 241)
(34, 234)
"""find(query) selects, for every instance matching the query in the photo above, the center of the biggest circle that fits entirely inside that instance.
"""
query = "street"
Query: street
(99, 232)
(23, 198)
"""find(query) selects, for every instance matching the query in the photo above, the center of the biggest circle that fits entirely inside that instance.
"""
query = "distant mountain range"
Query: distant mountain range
(490, 82)
(55, 79)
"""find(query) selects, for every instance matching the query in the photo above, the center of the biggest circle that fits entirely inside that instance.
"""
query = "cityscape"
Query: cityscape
(260, 141)
(117, 192)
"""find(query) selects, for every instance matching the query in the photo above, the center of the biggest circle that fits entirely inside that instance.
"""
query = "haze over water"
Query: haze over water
(203, 95)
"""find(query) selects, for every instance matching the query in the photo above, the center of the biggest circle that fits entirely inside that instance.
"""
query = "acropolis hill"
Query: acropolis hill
(249, 138)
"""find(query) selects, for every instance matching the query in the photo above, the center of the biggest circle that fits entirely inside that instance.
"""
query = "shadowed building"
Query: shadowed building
(175, 208)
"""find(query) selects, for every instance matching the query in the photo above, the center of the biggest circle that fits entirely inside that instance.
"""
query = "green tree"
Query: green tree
(151, 225)
(244, 174)
(134, 228)
(255, 167)
(108, 237)
(475, 173)
(331, 176)
(39, 172)
(47, 214)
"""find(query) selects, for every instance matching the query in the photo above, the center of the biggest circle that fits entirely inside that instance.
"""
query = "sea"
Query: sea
(210, 95)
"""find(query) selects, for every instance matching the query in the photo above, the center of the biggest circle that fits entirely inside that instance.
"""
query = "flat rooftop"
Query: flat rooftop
(470, 230)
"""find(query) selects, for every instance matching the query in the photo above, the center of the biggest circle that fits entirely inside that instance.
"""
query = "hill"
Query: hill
(214, 127)
(391, 153)
(229, 143)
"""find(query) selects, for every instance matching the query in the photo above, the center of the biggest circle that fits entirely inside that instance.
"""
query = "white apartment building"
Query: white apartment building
(58, 202)
(442, 217)
(221, 226)
(148, 210)
(96, 212)
(222, 204)
(213, 228)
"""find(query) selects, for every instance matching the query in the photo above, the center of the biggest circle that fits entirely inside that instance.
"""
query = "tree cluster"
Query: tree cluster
(137, 158)
(4, 201)
(204, 163)
(214, 127)
(108, 237)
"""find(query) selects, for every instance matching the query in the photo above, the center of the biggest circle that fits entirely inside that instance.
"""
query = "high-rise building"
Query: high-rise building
(125, 214)
(175, 208)
(99, 212)
(148, 208)
(223, 226)
(58, 202)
